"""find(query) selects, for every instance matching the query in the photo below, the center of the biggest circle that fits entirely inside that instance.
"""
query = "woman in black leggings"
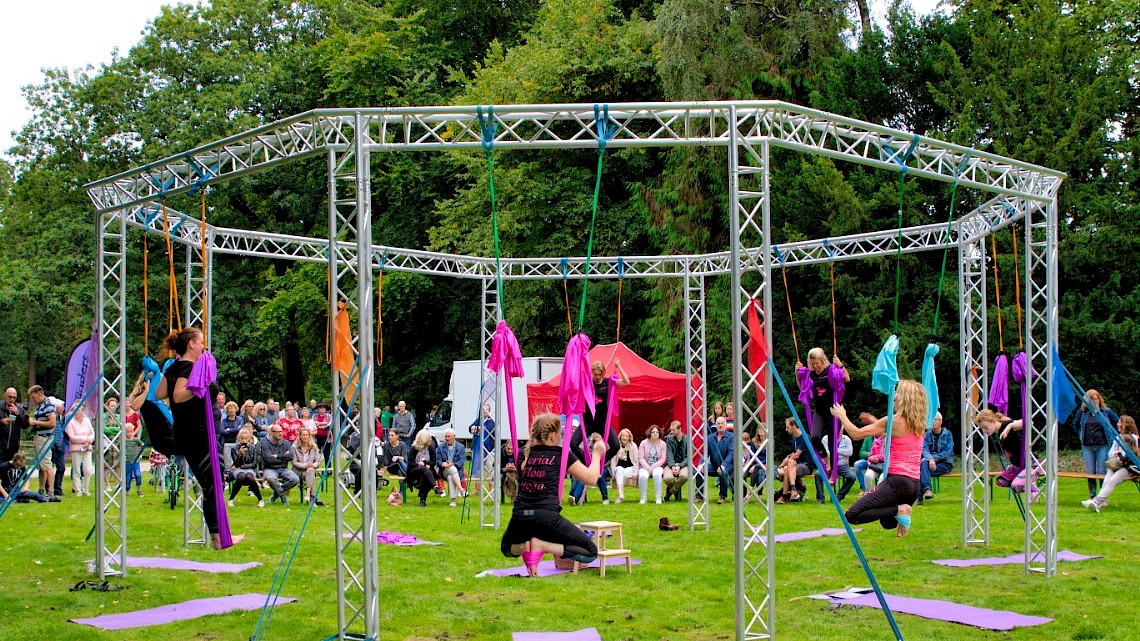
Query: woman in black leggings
(191, 434)
(537, 525)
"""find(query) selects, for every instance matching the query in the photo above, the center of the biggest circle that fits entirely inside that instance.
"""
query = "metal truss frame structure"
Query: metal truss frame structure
(748, 130)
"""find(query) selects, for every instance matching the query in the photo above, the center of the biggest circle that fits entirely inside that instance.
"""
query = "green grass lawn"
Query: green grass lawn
(682, 590)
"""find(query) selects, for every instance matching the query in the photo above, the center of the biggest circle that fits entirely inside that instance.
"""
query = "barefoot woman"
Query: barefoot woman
(537, 525)
(190, 430)
(890, 502)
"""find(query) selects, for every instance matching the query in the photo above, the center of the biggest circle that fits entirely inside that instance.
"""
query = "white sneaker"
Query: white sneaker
(620, 499)
(261, 504)
(231, 503)
(452, 504)
(606, 502)
(1091, 504)
(642, 501)
(658, 501)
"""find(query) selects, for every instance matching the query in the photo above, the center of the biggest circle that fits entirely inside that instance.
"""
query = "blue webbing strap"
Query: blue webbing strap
(839, 508)
(293, 543)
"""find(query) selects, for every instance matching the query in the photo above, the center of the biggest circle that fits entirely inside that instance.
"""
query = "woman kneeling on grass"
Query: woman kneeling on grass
(890, 502)
(537, 525)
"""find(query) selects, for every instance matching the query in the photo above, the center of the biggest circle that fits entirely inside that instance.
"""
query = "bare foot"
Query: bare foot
(905, 511)
(216, 540)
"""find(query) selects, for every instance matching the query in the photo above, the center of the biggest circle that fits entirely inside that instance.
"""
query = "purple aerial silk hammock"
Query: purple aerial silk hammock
(1022, 371)
(506, 358)
(204, 373)
(575, 394)
(999, 385)
(838, 387)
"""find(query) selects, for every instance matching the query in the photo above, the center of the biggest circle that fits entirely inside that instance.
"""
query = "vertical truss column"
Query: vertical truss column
(1041, 428)
(351, 284)
(111, 320)
(973, 374)
(754, 532)
(199, 289)
(696, 393)
(194, 530)
(490, 467)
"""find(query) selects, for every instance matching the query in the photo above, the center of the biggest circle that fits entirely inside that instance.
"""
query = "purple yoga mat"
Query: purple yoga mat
(396, 538)
(546, 568)
(799, 536)
(946, 611)
(1063, 555)
(588, 634)
(179, 611)
(164, 563)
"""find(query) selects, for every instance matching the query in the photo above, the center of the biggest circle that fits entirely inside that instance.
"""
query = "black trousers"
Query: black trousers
(612, 445)
(549, 526)
(245, 479)
(421, 478)
(196, 447)
(883, 503)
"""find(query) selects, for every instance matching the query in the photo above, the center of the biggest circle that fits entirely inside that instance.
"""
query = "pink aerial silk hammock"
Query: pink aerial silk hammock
(575, 394)
(204, 373)
(506, 359)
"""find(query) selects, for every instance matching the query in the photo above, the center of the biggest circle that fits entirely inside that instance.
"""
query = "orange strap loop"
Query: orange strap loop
(1017, 291)
(173, 310)
(997, 291)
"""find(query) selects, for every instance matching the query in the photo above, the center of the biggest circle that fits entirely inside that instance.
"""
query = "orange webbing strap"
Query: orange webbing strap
(205, 274)
(379, 318)
(791, 319)
(569, 321)
(997, 290)
(834, 339)
(173, 311)
(1017, 290)
(617, 338)
(146, 298)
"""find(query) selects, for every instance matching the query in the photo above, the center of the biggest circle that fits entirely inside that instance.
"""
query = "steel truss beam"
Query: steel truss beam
(754, 535)
(974, 373)
(490, 467)
(695, 400)
(748, 130)
(574, 127)
(111, 320)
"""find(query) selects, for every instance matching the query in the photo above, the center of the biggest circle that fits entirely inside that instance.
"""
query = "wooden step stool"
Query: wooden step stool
(599, 528)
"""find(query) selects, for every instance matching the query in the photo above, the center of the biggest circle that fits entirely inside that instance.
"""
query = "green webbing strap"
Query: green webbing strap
(293, 543)
(488, 126)
(902, 190)
(605, 132)
(946, 250)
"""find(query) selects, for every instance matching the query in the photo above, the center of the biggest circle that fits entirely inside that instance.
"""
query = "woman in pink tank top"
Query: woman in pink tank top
(891, 500)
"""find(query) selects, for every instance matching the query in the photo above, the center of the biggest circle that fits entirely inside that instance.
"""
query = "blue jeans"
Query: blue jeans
(577, 488)
(134, 472)
(940, 468)
(861, 472)
(849, 477)
(1095, 457)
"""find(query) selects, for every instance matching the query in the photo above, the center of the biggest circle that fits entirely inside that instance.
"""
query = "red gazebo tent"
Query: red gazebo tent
(653, 397)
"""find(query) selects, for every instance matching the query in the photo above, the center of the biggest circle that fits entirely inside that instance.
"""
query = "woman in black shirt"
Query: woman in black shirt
(537, 525)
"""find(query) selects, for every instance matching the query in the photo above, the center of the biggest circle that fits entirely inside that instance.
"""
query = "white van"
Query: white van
(461, 408)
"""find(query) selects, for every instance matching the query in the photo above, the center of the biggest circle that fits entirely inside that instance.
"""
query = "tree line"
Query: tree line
(1052, 83)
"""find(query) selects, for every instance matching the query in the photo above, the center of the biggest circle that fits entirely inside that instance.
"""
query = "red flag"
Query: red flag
(343, 355)
(757, 349)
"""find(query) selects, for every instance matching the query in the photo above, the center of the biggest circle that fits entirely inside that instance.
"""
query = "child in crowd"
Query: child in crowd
(158, 466)
(1120, 466)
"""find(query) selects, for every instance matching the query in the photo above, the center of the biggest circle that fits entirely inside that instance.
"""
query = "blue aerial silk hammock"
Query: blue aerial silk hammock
(884, 378)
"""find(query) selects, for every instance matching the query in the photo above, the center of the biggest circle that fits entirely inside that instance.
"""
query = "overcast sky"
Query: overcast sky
(38, 34)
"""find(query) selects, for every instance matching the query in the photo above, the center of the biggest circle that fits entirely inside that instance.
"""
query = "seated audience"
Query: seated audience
(244, 461)
(843, 467)
(11, 473)
(756, 460)
(624, 463)
(676, 457)
(451, 456)
(1120, 465)
(276, 455)
(937, 455)
(421, 465)
(290, 425)
(306, 461)
(651, 462)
